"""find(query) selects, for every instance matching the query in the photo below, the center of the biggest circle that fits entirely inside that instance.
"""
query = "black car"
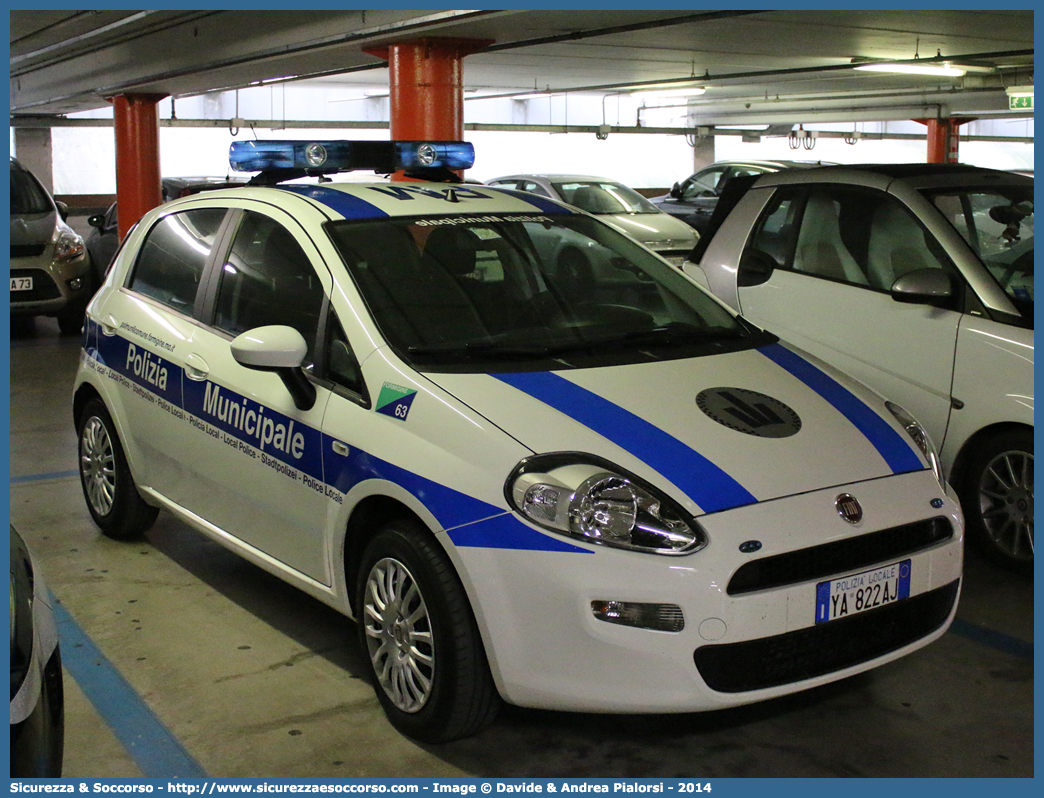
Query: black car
(694, 199)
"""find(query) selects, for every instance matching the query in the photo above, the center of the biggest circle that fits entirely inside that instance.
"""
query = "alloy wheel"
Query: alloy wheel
(398, 635)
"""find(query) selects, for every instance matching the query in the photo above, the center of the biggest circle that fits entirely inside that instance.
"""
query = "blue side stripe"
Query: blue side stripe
(705, 483)
(348, 205)
(155, 751)
(897, 452)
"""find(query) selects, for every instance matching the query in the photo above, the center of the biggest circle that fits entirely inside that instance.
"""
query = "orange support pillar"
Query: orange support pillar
(943, 138)
(427, 88)
(137, 156)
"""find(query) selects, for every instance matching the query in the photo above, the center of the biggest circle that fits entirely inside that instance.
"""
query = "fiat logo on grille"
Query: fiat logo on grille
(849, 508)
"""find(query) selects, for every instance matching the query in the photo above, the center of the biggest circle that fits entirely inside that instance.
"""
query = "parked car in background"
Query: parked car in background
(37, 693)
(104, 238)
(917, 280)
(614, 203)
(693, 200)
(50, 268)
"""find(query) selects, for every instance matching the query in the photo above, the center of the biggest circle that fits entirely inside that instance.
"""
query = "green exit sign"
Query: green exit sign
(1021, 103)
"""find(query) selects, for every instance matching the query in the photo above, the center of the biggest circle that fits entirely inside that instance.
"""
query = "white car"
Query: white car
(608, 495)
(614, 203)
(917, 280)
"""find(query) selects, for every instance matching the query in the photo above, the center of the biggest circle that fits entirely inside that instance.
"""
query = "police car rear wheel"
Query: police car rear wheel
(415, 623)
(112, 497)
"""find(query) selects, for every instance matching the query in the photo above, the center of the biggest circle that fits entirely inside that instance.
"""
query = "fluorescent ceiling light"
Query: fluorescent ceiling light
(940, 70)
(1019, 91)
(691, 91)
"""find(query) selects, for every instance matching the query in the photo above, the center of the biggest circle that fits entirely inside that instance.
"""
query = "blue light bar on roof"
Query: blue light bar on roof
(327, 157)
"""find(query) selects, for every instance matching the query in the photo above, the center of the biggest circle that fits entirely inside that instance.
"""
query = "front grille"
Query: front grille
(840, 556)
(27, 250)
(43, 286)
(825, 648)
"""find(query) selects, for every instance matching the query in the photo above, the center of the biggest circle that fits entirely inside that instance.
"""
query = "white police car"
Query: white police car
(599, 492)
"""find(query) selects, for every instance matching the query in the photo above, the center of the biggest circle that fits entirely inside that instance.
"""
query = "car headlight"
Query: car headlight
(919, 437)
(67, 245)
(593, 500)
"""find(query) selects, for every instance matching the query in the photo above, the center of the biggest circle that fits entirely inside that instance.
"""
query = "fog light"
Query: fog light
(659, 617)
(75, 283)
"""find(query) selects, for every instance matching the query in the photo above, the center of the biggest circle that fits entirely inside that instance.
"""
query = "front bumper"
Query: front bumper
(57, 285)
(548, 650)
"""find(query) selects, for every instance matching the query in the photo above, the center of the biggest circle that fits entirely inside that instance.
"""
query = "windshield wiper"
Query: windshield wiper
(486, 349)
(675, 334)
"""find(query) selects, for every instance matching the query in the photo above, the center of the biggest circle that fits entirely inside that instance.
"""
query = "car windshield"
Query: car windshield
(997, 223)
(26, 195)
(548, 291)
(603, 196)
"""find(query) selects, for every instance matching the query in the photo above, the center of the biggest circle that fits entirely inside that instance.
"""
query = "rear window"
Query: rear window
(171, 260)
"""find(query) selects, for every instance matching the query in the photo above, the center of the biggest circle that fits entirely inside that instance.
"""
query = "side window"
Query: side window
(821, 248)
(536, 188)
(898, 245)
(268, 279)
(173, 255)
(703, 185)
(776, 230)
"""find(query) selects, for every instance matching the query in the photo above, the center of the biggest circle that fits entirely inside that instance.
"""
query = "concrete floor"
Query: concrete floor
(249, 677)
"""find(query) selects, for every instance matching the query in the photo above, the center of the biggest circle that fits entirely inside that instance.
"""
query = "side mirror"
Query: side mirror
(755, 268)
(63, 210)
(278, 349)
(676, 192)
(924, 287)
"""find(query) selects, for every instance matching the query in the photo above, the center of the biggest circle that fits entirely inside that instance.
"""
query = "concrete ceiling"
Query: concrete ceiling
(759, 66)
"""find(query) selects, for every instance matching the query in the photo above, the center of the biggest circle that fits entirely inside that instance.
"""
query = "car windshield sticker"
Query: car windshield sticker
(395, 401)
(296, 451)
(705, 483)
(898, 454)
(348, 205)
(407, 192)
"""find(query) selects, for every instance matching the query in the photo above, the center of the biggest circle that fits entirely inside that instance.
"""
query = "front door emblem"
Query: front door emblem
(848, 507)
(749, 412)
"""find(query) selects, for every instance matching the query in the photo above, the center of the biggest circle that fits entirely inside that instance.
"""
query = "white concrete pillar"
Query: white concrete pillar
(33, 150)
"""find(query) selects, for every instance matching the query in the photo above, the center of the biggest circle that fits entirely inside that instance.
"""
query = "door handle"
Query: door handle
(109, 326)
(196, 368)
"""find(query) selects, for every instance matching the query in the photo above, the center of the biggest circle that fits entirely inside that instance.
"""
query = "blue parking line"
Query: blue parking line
(41, 477)
(988, 637)
(155, 751)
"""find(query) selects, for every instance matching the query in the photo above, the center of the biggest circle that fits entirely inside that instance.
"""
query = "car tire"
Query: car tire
(70, 320)
(108, 486)
(997, 498)
(416, 627)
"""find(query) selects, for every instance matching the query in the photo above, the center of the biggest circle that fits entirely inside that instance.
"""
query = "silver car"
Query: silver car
(614, 203)
(50, 268)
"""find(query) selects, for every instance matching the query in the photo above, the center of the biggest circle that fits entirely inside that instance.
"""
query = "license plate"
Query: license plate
(21, 283)
(850, 595)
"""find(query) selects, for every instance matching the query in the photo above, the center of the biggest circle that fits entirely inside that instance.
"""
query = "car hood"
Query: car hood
(36, 228)
(723, 430)
(655, 230)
